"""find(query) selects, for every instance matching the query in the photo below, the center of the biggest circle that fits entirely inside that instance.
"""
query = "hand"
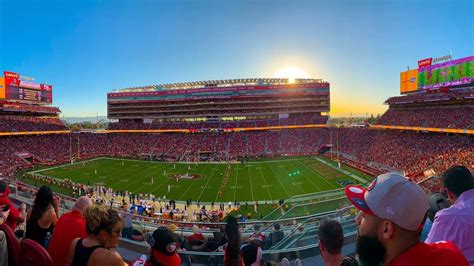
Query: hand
(22, 207)
(5, 214)
(56, 201)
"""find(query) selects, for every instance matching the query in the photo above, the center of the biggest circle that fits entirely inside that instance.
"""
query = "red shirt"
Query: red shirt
(14, 213)
(196, 236)
(71, 225)
(440, 253)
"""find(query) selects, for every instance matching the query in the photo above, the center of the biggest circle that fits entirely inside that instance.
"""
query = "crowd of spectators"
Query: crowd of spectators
(10, 123)
(29, 108)
(437, 117)
(407, 151)
(89, 234)
(292, 120)
(430, 97)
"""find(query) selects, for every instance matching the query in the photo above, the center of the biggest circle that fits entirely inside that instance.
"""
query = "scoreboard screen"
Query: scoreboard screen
(456, 72)
(26, 94)
(18, 89)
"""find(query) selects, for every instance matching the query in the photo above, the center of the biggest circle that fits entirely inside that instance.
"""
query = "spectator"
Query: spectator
(232, 256)
(70, 226)
(437, 202)
(103, 228)
(126, 216)
(196, 240)
(331, 239)
(456, 223)
(274, 237)
(15, 216)
(393, 210)
(4, 211)
(179, 239)
(251, 254)
(43, 216)
(163, 249)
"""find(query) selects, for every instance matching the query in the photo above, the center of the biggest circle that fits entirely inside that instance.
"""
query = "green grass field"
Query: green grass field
(263, 181)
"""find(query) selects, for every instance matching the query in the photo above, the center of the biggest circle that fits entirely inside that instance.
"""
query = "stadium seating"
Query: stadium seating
(411, 152)
(9, 123)
(33, 253)
(12, 244)
(438, 117)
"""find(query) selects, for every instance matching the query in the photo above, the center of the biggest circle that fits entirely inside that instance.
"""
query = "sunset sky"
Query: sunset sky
(88, 48)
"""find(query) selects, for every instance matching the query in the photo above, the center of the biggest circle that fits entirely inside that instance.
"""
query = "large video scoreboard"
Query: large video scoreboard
(436, 73)
(16, 88)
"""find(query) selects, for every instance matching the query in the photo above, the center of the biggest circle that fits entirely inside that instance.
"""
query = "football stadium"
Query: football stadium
(246, 171)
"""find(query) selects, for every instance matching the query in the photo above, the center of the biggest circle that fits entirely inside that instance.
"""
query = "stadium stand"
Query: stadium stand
(418, 155)
(439, 117)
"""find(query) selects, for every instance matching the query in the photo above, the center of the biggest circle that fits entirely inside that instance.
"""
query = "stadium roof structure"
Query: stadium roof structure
(219, 83)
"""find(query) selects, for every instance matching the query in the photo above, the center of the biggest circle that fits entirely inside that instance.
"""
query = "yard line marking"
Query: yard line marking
(317, 175)
(278, 179)
(235, 186)
(266, 184)
(209, 179)
(360, 179)
(250, 179)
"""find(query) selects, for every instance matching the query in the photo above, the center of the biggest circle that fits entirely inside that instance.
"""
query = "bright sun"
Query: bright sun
(292, 73)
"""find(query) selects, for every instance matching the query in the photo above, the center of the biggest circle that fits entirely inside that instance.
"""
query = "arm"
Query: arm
(105, 257)
(20, 214)
(72, 248)
(56, 202)
(441, 229)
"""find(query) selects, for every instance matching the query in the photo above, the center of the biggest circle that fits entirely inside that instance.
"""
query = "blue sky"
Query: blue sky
(88, 48)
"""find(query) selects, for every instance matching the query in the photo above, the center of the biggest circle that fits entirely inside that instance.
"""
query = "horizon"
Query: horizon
(86, 49)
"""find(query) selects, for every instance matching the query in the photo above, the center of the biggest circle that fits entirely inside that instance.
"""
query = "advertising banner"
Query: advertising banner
(45, 87)
(11, 78)
(2, 88)
(409, 81)
(30, 85)
(451, 73)
(425, 62)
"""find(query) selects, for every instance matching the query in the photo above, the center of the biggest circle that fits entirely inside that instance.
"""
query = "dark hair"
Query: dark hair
(457, 179)
(43, 201)
(3, 186)
(331, 236)
(233, 241)
(100, 217)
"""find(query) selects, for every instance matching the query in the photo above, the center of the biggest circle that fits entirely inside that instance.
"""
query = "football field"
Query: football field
(248, 181)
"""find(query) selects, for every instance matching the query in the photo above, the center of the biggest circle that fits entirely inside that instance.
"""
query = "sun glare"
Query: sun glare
(292, 73)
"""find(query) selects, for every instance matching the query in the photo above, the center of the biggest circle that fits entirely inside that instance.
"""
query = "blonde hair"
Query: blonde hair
(100, 217)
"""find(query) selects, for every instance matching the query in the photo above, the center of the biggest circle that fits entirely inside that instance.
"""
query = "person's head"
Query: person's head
(331, 238)
(172, 228)
(392, 213)
(437, 202)
(276, 227)
(456, 180)
(196, 229)
(104, 224)
(249, 254)
(43, 201)
(4, 190)
(163, 248)
(232, 234)
(82, 203)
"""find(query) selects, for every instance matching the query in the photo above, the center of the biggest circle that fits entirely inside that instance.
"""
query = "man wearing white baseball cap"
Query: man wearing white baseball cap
(393, 210)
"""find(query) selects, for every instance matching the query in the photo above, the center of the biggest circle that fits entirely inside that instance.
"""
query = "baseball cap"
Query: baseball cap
(392, 197)
(164, 246)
